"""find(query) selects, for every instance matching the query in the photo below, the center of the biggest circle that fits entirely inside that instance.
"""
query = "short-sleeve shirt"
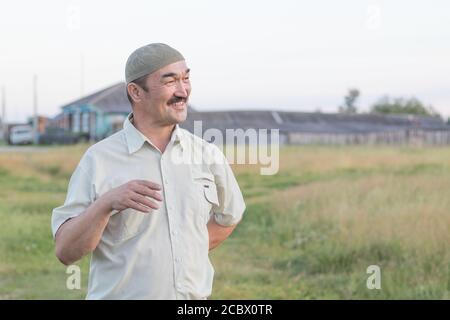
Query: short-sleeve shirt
(162, 254)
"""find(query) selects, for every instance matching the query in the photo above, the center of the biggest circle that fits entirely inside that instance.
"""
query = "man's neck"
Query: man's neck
(158, 135)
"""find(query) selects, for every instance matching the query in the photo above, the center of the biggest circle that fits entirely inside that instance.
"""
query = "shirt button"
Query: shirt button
(177, 259)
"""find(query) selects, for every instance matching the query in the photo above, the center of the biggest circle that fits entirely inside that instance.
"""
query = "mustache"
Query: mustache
(176, 99)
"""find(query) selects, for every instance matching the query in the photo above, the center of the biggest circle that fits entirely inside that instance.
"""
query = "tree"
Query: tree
(412, 105)
(350, 99)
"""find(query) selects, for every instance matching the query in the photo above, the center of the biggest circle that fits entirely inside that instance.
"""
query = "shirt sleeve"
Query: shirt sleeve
(80, 194)
(231, 202)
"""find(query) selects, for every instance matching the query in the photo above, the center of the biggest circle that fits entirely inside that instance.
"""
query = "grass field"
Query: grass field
(309, 232)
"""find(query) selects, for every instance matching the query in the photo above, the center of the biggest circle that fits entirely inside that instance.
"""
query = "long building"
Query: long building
(102, 113)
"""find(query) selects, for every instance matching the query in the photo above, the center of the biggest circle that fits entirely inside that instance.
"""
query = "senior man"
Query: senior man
(148, 218)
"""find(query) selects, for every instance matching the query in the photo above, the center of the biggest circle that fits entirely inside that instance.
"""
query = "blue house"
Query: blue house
(96, 116)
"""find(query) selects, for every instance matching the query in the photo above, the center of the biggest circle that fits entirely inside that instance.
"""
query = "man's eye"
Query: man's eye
(186, 79)
(170, 82)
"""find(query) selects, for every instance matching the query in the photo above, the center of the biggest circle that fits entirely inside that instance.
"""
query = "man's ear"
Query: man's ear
(134, 92)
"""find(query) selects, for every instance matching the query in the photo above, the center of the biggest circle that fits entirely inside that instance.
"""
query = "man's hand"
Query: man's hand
(134, 194)
(80, 235)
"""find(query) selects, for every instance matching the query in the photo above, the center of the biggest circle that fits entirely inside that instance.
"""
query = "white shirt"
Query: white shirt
(162, 254)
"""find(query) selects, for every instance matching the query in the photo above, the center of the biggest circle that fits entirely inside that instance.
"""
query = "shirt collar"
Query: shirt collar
(135, 139)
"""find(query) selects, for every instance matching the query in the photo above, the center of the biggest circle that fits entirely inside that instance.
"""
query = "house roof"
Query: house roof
(114, 99)
(312, 122)
(110, 99)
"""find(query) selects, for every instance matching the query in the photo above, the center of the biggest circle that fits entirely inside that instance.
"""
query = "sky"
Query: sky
(273, 55)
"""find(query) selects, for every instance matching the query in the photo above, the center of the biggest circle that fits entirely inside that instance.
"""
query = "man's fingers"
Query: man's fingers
(137, 206)
(145, 191)
(149, 184)
(140, 199)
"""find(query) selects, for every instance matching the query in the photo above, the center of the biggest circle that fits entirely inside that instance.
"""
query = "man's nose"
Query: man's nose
(182, 89)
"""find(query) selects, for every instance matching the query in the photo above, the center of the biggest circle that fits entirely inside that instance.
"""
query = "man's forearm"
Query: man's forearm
(81, 235)
(217, 233)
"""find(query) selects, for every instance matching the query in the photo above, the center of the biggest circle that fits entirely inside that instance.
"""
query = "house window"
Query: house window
(85, 122)
(76, 122)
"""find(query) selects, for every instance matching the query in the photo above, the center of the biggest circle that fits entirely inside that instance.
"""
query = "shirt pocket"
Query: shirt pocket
(206, 190)
(125, 224)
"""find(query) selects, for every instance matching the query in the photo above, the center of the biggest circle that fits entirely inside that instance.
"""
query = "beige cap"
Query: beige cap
(148, 59)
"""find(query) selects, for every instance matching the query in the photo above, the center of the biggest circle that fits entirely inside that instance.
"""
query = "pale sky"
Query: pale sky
(283, 55)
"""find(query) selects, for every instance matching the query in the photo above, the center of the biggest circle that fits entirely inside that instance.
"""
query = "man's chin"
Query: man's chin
(178, 118)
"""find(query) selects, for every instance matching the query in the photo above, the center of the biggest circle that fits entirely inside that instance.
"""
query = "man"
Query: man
(148, 218)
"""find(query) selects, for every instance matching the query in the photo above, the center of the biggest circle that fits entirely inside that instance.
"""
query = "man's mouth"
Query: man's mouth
(180, 105)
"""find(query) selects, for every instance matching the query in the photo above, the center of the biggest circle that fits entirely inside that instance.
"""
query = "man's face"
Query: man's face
(168, 93)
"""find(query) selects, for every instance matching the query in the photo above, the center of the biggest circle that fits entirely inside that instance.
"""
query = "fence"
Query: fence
(406, 137)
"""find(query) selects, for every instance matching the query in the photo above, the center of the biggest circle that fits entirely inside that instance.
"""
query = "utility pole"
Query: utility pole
(35, 114)
(3, 118)
(82, 75)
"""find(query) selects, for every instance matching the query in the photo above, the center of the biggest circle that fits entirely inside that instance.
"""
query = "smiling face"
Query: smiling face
(166, 97)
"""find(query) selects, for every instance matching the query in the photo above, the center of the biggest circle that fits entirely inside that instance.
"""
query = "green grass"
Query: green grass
(309, 232)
